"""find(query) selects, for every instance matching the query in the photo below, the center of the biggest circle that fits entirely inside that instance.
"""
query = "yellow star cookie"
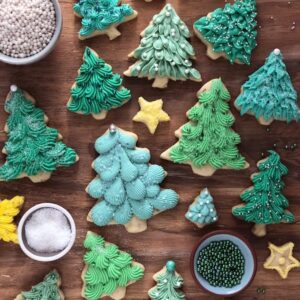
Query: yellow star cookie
(8, 210)
(281, 259)
(151, 114)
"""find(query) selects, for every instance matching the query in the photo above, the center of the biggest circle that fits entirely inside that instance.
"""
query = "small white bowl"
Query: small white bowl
(45, 257)
(47, 50)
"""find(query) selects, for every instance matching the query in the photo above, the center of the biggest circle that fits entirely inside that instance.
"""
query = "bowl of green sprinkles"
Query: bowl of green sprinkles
(223, 263)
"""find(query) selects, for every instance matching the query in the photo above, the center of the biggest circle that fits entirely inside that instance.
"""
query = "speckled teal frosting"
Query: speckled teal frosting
(202, 211)
(127, 185)
(231, 30)
(269, 92)
(100, 14)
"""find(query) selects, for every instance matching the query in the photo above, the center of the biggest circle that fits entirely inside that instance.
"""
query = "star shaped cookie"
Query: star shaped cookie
(151, 114)
(281, 259)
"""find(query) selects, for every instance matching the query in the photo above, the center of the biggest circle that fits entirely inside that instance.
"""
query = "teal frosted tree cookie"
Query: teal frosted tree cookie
(127, 186)
(96, 89)
(269, 93)
(230, 32)
(48, 289)
(108, 270)
(164, 52)
(264, 202)
(33, 149)
(168, 285)
(102, 17)
(207, 142)
(202, 211)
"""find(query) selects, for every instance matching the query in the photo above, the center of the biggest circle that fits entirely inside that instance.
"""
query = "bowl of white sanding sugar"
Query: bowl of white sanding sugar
(46, 232)
(29, 30)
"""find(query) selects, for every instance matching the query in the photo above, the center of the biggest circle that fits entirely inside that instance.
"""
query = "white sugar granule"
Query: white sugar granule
(48, 230)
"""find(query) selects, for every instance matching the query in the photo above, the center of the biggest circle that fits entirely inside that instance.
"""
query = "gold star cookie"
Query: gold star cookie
(151, 114)
(281, 259)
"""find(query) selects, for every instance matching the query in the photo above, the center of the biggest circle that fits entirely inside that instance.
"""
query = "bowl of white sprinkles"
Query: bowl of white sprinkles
(29, 30)
(46, 232)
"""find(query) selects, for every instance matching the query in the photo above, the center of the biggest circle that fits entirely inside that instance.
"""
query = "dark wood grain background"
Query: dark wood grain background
(170, 235)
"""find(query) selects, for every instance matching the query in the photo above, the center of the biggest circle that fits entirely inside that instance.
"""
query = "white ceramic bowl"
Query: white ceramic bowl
(247, 251)
(46, 51)
(44, 257)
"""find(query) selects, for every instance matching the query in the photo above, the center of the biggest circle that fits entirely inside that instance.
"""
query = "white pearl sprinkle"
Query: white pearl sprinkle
(276, 51)
(13, 88)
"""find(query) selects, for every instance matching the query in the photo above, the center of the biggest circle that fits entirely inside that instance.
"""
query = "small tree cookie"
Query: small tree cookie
(127, 186)
(108, 270)
(264, 202)
(102, 17)
(164, 52)
(202, 211)
(269, 93)
(207, 142)
(33, 150)
(229, 32)
(48, 289)
(96, 89)
(8, 210)
(168, 283)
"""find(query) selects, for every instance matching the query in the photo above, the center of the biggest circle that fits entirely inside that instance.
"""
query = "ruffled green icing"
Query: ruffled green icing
(231, 30)
(127, 184)
(202, 211)
(164, 50)
(208, 139)
(107, 268)
(45, 290)
(264, 202)
(269, 92)
(96, 88)
(168, 283)
(32, 147)
(100, 14)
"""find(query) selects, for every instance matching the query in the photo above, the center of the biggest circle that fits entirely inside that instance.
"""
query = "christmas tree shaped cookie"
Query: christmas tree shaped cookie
(168, 284)
(230, 32)
(269, 93)
(33, 150)
(96, 89)
(127, 186)
(102, 17)
(202, 212)
(108, 270)
(207, 142)
(8, 210)
(48, 289)
(164, 52)
(264, 202)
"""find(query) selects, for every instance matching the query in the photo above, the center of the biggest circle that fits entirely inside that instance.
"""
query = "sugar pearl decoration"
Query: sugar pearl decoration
(13, 88)
(276, 51)
(27, 26)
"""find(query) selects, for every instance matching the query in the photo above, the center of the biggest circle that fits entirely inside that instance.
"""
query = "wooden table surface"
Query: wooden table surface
(169, 235)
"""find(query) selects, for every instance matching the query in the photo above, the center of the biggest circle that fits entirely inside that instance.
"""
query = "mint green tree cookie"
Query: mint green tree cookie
(96, 89)
(207, 142)
(164, 52)
(102, 17)
(230, 32)
(269, 93)
(264, 202)
(33, 149)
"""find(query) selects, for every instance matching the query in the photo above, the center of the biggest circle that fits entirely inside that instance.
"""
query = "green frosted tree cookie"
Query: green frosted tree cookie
(33, 149)
(108, 270)
(264, 202)
(230, 32)
(207, 142)
(102, 17)
(168, 284)
(269, 93)
(96, 89)
(127, 186)
(48, 289)
(164, 52)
